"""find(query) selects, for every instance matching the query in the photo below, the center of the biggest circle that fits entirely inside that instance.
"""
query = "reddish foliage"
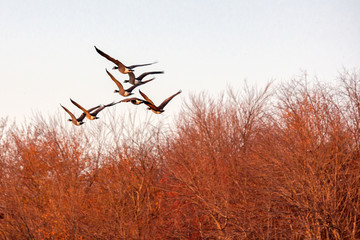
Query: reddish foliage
(255, 165)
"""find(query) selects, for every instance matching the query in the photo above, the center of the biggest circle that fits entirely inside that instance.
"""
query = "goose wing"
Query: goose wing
(79, 106)
(92, 109)
(112, 104)
(147, 73)
(140, 65)
(166, 101)
(146, 98)
(118, 84)
(131, 78)
(97, 111)
(82, 116)
(103, 107)
(117, 62)
(70, 113)
(151, 106)
(132, 88)
(143, 82)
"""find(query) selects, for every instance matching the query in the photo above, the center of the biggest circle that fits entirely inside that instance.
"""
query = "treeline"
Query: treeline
(280, 162)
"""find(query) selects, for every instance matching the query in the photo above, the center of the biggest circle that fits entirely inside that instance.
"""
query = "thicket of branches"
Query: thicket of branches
(276, 163)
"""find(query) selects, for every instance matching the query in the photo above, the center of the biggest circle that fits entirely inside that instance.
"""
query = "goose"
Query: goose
(92, 115)
(138, 80)
(77, 121)
(121, 90)
(121, 67)
(134, 100)
(157, 109)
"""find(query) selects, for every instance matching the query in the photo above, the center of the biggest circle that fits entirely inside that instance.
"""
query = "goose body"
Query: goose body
(119, 65)
(157, 109)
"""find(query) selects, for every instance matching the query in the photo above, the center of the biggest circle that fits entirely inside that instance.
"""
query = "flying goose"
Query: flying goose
(121, 67)
(92, 115)
(121, 90)
(157, 109)
(138, 80)
(77, 121)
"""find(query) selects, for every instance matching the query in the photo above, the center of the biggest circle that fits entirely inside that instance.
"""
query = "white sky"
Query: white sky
(47, 47)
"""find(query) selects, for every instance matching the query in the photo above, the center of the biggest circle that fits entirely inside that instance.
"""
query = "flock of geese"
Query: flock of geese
(92, 113)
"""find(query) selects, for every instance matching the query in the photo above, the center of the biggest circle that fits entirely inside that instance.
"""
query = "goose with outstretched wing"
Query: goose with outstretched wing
(157, 109)
(119, 65)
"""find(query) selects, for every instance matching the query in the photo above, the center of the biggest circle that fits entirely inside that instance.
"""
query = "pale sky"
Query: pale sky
(47, 50)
